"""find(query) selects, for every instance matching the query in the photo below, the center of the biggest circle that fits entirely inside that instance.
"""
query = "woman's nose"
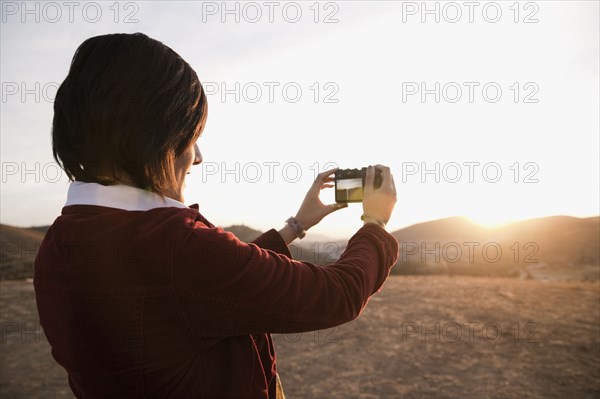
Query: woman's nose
(197, 155)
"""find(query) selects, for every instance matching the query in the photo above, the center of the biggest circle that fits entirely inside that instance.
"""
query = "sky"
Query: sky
(488, 110)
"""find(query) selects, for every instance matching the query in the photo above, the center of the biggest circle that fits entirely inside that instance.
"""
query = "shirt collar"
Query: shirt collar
(118, 196)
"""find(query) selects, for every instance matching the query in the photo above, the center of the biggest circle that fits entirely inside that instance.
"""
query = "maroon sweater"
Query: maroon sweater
(162, 304)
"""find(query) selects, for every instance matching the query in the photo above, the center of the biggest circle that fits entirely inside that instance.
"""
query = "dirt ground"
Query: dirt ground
(421, 337)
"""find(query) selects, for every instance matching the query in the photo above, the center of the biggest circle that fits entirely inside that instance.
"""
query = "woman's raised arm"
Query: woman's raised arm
(228, 287)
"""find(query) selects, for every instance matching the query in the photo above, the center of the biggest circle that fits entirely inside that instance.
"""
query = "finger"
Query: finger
(321, 176)
(326, 186)
(370, 179)
(393, 184)
(386, 173)
(336, 207)
(320, 179)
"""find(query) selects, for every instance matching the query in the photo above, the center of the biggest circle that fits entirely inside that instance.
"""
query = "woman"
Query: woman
(138, 294)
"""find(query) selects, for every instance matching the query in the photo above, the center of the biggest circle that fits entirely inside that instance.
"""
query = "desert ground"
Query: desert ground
(421, 337)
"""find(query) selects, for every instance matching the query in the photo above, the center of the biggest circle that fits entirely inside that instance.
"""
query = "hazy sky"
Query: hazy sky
(497, 102)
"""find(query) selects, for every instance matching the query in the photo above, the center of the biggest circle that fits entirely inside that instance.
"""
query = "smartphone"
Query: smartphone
(350, 183)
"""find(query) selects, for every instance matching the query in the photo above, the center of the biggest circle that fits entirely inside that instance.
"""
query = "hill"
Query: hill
(244, 233)
(543, 247)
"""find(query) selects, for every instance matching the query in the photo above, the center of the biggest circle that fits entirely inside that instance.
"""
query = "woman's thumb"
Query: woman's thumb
(337, 206)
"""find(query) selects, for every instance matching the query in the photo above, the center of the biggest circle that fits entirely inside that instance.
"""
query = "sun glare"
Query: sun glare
(492, 221)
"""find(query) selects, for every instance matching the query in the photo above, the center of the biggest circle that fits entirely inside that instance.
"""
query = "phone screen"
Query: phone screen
(349, 190)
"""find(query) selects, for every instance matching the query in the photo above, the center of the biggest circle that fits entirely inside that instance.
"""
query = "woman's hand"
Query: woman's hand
(312, 210)
(379, 203)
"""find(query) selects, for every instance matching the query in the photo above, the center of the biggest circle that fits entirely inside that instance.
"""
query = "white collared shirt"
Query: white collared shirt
(118, 196)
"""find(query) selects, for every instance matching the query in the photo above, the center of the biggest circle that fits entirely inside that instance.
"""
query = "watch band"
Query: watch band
(296, 226)
(372, 219)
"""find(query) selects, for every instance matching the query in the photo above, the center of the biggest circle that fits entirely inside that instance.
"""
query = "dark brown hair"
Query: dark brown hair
(129, 104)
